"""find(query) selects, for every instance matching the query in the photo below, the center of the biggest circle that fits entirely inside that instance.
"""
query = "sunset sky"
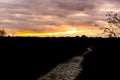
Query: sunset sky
(54, 17)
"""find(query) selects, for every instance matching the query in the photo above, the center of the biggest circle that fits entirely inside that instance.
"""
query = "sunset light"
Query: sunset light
(56, 18)
(59, 39)
(76, 31)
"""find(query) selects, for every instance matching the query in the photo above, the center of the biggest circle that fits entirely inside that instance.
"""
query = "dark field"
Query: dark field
(26, 58)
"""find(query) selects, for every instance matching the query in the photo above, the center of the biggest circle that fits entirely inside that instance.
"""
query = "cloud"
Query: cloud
(41, 15)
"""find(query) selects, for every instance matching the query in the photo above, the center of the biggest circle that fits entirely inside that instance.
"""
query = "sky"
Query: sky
(54, 17)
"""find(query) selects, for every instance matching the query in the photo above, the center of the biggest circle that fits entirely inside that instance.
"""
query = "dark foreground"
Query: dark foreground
(26, 58)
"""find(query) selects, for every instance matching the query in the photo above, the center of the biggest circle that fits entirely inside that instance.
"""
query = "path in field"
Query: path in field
(68, 70)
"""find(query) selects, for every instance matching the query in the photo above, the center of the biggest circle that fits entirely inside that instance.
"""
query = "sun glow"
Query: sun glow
(46, 34)
(71, 31)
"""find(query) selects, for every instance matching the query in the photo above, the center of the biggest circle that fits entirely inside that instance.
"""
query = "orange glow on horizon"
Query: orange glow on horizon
(71, 31)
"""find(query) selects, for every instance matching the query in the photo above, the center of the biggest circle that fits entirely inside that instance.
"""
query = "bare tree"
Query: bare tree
(2, 32)
(112, 29)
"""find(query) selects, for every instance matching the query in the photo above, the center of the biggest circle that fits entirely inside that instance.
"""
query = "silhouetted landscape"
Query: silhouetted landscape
(30, 57)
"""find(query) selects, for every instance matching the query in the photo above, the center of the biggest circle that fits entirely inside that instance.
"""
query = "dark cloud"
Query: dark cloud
(34, 14)
(80, 5)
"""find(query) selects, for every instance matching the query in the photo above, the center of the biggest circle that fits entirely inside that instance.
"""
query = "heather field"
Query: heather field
(33, 57)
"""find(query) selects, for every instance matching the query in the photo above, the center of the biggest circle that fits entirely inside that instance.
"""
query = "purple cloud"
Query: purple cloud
(34, 14)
